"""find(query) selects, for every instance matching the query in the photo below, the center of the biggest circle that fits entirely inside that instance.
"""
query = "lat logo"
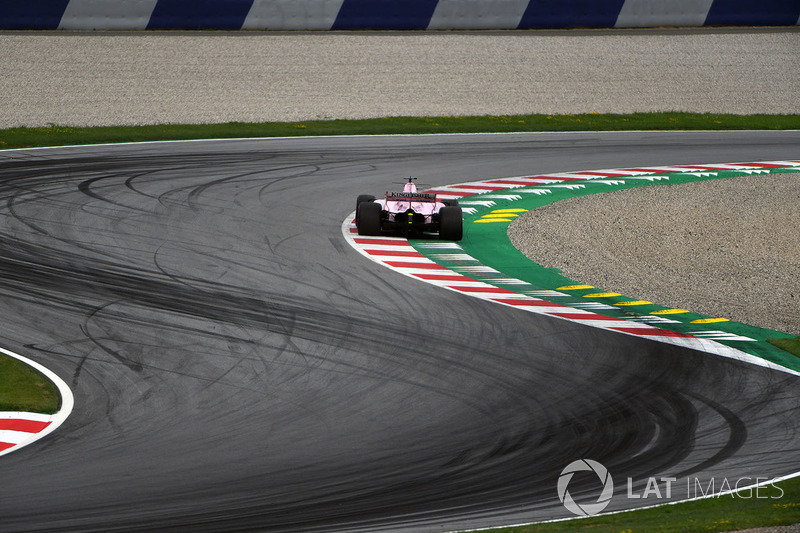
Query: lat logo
(586, 509)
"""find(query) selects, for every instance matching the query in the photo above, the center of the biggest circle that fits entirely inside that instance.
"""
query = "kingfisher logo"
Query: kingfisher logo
(585, 509)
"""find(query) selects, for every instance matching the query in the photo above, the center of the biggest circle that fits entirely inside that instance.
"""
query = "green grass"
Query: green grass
(791, 345)
(723, 513)
(55, 135)
(22, 388)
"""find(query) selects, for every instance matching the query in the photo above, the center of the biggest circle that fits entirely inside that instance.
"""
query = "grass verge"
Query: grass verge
(55, 135)
(773, 507)
(22, 388)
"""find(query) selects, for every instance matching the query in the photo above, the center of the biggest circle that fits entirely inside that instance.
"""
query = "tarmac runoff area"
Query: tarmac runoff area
(727, 247)
(731, 244)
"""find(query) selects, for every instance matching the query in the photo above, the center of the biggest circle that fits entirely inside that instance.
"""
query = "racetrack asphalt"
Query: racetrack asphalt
(237, 366)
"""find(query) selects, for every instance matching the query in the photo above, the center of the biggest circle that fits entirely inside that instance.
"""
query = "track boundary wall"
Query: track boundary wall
(389, 14)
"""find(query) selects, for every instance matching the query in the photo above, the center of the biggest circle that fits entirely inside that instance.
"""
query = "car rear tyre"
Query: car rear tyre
(369, 219)
(360, 200)
(451, 225)
(451, 202)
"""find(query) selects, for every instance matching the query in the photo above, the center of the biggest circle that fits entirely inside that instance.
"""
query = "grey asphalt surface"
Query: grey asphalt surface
(236, 366)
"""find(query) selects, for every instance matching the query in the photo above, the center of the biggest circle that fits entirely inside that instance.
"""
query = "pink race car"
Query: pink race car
(409, 213)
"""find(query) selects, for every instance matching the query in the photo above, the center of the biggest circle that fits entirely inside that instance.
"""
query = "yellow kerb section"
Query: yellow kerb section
(708, 320)
(499, 215)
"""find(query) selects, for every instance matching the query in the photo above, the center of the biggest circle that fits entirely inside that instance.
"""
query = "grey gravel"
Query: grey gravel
(726, 248)
(795, 528)
(89, 79)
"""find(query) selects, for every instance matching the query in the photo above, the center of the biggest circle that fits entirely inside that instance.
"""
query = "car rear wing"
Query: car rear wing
(413, 196)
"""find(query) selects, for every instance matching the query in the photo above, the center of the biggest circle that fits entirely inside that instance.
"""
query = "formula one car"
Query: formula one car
(409, 213)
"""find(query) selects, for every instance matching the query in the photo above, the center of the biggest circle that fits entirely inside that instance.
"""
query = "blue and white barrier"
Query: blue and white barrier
(389, 14)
